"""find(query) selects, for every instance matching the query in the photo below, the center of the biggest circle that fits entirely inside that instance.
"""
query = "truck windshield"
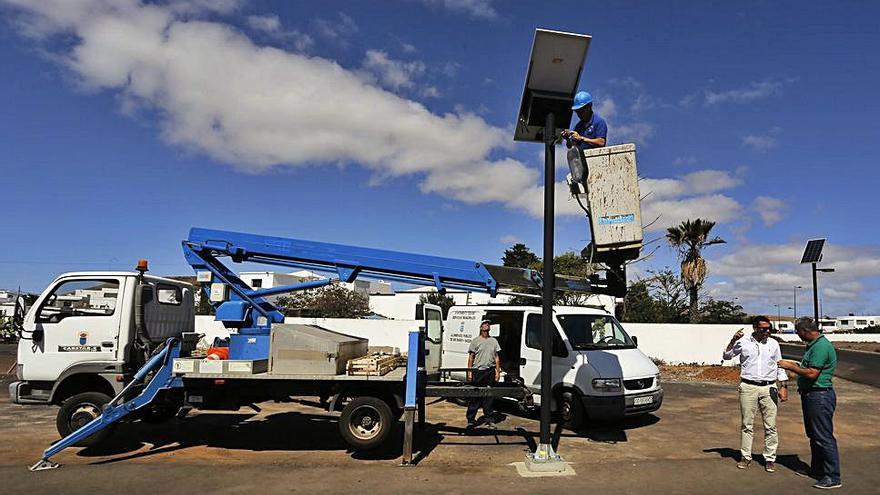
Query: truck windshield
(594, 332)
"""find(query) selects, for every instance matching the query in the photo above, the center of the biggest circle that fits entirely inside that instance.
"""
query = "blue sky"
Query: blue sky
(389, 124)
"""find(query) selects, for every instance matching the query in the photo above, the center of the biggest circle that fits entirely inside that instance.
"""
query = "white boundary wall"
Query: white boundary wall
(673, 343)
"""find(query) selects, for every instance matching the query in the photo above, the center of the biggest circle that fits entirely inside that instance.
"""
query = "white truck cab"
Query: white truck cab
(76, 347)
(598, 370)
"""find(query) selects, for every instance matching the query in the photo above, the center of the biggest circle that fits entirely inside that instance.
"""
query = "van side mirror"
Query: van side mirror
(635, 340)
(37, 335)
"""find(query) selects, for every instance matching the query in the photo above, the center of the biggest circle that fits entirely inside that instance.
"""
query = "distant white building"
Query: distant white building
(828, 325)
(401, 305)
(783, 326)
(385, 301)
(855, 322)
(7, 303)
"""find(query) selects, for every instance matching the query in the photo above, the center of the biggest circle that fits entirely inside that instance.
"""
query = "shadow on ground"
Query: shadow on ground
(300, 431)
(791, 462)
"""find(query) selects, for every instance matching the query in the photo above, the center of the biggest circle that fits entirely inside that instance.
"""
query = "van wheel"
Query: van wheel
(77, 411)
(365, 422)
(572, 410)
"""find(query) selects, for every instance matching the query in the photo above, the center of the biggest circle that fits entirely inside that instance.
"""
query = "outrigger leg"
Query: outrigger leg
(114, 411)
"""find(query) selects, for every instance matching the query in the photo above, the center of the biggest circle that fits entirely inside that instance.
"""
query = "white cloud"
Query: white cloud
(770, 209)
(694, 183)
(624, 129)
(270, 25)
(754, 91)
(694, 195)
(259, 108)
(509, 240)
(338, 30)
(760, 143)
(636, 132)
(762, 275)
(393, 74)
(606, 107)
(477, 9)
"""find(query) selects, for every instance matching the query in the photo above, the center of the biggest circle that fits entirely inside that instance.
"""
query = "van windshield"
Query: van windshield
(594, 332)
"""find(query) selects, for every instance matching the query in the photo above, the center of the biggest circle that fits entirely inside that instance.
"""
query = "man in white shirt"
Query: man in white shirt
(759, 375)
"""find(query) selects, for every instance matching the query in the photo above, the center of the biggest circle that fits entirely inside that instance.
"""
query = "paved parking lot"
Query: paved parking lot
(689, 446)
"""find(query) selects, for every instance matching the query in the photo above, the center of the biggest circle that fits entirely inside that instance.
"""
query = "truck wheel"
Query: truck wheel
(77, 411)
(365, 422)
(571, 409)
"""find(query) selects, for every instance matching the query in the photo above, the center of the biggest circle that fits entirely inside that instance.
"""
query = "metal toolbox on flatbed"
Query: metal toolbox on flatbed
(309, 349)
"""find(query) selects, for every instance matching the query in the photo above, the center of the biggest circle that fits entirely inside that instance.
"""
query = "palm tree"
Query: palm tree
(689, 239)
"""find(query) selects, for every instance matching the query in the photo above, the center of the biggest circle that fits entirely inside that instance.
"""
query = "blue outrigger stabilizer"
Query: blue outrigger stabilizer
(115, 410)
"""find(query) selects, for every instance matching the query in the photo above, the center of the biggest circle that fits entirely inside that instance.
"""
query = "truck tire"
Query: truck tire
(571, 409)
(365, 422)
(77, 410)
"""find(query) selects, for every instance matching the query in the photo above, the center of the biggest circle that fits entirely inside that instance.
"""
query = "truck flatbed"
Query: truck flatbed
(395, 375)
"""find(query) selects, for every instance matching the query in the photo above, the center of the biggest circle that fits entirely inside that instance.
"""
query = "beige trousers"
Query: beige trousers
(752, 398)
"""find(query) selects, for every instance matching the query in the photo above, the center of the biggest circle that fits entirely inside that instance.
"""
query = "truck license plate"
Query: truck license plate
(641, 401)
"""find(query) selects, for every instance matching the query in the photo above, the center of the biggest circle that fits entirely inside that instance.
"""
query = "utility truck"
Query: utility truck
(112, 346)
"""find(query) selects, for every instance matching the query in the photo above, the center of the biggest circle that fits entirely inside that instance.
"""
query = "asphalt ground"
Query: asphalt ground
(689, 446)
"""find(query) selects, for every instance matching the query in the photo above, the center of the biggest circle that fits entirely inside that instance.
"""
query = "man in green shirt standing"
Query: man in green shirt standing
(818, 401)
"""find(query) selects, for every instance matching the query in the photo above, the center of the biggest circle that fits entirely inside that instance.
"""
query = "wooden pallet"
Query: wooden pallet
(376, 365)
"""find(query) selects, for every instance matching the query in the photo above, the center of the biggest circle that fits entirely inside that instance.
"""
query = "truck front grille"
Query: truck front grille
(640, 384)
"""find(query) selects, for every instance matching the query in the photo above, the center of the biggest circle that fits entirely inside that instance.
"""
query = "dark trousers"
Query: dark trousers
(818, 407)
(481, 378)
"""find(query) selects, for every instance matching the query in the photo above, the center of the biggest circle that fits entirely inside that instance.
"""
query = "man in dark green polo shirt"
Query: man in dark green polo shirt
(818, 401)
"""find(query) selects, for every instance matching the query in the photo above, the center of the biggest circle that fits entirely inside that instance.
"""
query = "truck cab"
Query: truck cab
(77, 340)
(598, 371)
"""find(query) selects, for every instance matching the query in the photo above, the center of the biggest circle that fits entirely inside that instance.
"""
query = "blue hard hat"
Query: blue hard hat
(581, 100)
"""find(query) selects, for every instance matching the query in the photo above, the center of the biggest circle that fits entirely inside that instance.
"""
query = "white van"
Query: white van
(598, 370)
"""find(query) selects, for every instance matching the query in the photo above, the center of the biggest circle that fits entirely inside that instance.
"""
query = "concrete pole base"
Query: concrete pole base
(545, 460)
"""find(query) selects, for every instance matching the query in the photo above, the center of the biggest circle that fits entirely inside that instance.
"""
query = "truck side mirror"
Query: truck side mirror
(19, 312)
(635, 340)
(37, 335)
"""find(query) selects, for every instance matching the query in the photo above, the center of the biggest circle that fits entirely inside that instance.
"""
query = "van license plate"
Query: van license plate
(641, 401)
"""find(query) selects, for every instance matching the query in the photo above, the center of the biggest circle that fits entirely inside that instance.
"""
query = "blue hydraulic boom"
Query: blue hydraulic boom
(248, 310)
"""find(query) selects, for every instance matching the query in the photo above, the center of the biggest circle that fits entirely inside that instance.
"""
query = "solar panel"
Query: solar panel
(813, 251)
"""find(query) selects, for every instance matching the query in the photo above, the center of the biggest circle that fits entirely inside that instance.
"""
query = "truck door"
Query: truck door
(77, 321)
(530, 369)
(433, 340)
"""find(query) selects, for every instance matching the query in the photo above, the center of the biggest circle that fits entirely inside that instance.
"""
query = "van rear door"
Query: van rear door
(433, 340)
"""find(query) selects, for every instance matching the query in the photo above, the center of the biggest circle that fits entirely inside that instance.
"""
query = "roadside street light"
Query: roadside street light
(555, 66)
(794, 309)
(813, 255)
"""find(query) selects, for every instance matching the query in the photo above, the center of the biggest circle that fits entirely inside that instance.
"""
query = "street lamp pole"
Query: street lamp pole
(794, 311)
(815, 297)
(547, 329)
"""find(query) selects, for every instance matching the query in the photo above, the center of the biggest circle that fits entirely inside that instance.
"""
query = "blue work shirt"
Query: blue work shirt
(593, 129)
